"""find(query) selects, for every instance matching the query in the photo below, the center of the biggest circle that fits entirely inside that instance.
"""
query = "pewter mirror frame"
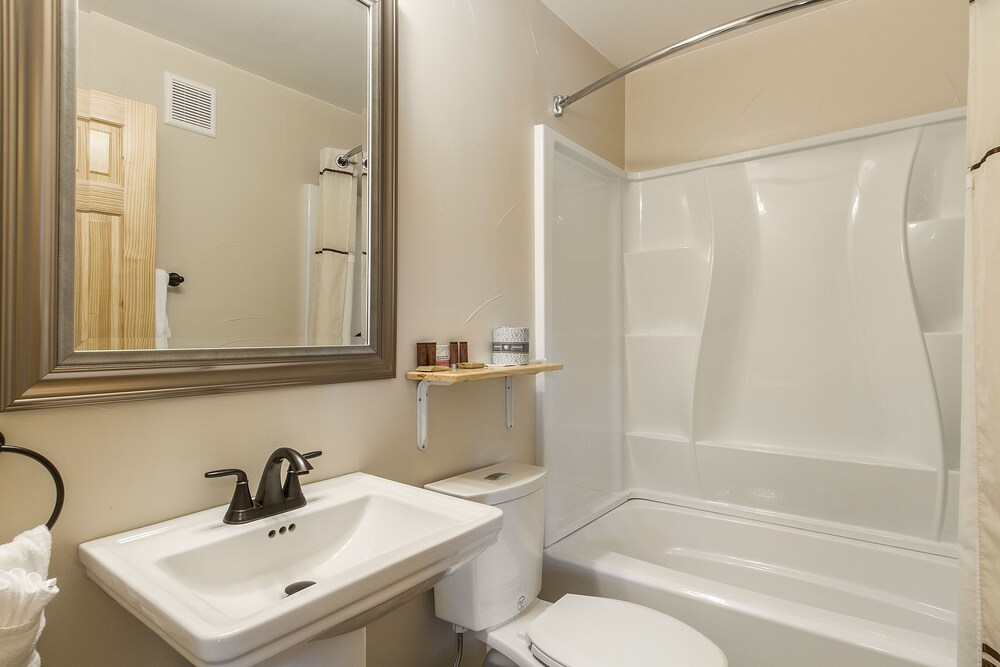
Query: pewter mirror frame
(38, 366)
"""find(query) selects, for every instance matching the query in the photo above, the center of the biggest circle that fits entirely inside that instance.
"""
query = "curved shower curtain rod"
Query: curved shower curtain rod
(560, 102)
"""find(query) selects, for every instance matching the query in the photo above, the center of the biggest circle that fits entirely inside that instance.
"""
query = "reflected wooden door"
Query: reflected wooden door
(115, 222)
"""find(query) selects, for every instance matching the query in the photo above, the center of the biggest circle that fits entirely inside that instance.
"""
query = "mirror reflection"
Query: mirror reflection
(221, 174)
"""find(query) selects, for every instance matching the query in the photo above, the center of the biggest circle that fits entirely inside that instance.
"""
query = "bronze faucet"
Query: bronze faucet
(272, 497)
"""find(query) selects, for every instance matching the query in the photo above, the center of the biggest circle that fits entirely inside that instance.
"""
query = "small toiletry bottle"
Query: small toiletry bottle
(426, 354)
(443, 355)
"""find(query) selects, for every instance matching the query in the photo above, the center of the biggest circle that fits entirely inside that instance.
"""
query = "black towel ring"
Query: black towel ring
(56, 477)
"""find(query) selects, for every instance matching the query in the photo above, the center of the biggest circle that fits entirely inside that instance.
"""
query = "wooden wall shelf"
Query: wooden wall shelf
(451, 377)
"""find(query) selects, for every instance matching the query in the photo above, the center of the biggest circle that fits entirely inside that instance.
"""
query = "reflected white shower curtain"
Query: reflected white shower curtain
(332, 287)
(979, 532)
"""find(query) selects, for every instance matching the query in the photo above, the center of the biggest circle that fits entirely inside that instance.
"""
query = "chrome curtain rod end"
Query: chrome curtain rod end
(558, 102)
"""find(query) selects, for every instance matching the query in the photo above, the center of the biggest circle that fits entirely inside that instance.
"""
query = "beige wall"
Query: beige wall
(228, 208)
(475, 78)
(846, 65)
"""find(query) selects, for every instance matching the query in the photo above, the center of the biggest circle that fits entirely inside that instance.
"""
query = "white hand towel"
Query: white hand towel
(24, 591)
(160, 307)
(23, 596)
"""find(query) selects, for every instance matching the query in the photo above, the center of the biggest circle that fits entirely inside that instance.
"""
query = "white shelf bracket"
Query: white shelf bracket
(425, 380)
(422, 388)
(510, 401)
(423, 399)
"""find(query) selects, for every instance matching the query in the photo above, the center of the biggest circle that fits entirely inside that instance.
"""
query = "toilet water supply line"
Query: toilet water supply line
(560, 102)
(459, 645)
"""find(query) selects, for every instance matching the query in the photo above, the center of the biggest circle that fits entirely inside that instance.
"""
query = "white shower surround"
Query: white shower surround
(756, 345)
(791, 334)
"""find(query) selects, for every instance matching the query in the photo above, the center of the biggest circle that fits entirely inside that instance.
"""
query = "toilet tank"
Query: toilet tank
(505, 578)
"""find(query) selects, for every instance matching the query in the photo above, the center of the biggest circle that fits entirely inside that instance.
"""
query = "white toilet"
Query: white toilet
(495, 596)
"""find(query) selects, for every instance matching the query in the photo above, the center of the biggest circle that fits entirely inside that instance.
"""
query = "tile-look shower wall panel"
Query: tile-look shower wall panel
(665, 290)
(811, 340)
(659, 379)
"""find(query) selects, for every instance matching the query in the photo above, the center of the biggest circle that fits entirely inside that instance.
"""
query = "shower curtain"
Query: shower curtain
(979, 534)
(332, 292)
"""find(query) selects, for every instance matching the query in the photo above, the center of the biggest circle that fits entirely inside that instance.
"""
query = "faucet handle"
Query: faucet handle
(292, 488)
(241, 495)
(241, 477)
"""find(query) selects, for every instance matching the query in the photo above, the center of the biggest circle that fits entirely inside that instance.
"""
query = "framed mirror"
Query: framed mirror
(196, 197)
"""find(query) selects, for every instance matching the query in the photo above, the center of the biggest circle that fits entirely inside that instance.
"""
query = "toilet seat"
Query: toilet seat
(583, 631)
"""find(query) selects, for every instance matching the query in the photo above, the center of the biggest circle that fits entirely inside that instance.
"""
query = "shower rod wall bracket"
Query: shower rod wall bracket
(344, 159)
(560, 102)
(558, 105)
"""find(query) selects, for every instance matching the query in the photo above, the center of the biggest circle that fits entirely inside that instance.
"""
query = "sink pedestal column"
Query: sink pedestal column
(347, 650)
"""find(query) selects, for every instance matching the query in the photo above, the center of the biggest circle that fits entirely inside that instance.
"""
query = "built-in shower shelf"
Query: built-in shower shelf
(426, 379)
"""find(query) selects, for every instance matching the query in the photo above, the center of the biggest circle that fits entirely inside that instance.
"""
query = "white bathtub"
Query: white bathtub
(768, 595)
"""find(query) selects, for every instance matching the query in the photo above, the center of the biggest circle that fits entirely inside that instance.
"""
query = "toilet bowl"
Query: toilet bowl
(495, 595)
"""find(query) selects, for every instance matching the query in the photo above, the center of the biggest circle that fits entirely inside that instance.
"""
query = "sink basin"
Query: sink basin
(217, 592)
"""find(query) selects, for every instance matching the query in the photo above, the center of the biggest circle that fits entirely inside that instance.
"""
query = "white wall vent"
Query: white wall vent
(188, 105)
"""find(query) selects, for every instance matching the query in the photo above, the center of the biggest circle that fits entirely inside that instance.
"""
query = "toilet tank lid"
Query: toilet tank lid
(494, 484)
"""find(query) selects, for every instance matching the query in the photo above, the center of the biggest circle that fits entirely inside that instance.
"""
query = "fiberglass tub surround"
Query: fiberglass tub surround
(811, 392)
(789, 322)
(791, 329)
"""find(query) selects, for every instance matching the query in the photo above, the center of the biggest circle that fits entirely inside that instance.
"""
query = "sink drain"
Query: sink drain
(297, 586)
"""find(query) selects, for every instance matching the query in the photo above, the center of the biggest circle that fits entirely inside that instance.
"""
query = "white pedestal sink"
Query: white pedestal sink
(217, 592)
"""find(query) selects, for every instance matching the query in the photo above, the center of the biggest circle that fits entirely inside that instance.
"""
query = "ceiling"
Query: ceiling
(626, 30)
(317, 47)
(302, 43)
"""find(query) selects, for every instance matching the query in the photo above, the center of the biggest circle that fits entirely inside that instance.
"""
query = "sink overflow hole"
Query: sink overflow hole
(291, 589)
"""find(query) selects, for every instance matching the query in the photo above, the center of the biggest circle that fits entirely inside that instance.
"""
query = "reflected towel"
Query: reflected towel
(162, 327)
(24, 591)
